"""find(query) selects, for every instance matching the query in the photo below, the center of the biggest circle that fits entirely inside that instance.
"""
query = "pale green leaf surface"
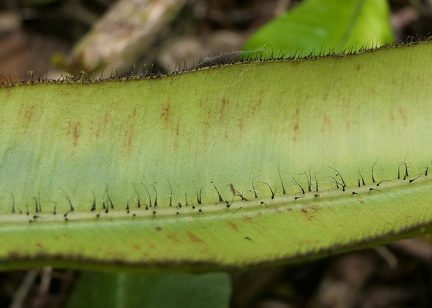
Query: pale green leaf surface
(240, 124)
(323, 26)
(126, 290)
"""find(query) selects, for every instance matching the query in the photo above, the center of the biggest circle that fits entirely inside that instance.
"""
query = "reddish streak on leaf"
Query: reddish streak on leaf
(173, 238)
(136, 247)
(166, 112)
(194, 238)
(308, 216)
(296, 126)
(233, 225)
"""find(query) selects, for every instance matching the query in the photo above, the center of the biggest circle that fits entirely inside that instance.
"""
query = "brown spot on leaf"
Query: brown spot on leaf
(233, 225)
(403, 115)
(194, 238)
(223, 108)
(296, 126)
(128, 140)
(76, 135)
(74, 131)
(241, 124)
(307, 214)
(158, 229)
(129, 131)
(326, 124)
(166, 112)
(254, 107)
(246, 218)
(347, 125)
(325, 97)
(136, 247)
(173, 238)
(176, 135)
(177, 129)
(392, 117)
(28, 113)
(314, 208)
(102, 126)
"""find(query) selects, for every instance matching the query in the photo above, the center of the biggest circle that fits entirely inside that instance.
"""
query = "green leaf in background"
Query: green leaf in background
(323, 26)
(108, 290)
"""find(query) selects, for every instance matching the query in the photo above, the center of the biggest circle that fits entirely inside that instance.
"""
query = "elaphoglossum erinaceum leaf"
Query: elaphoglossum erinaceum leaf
(220, 168)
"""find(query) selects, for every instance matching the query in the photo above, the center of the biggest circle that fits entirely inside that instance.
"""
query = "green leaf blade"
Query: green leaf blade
(255, 126)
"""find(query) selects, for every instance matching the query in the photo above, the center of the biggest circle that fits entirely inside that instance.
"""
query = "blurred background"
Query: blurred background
(47, 38)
